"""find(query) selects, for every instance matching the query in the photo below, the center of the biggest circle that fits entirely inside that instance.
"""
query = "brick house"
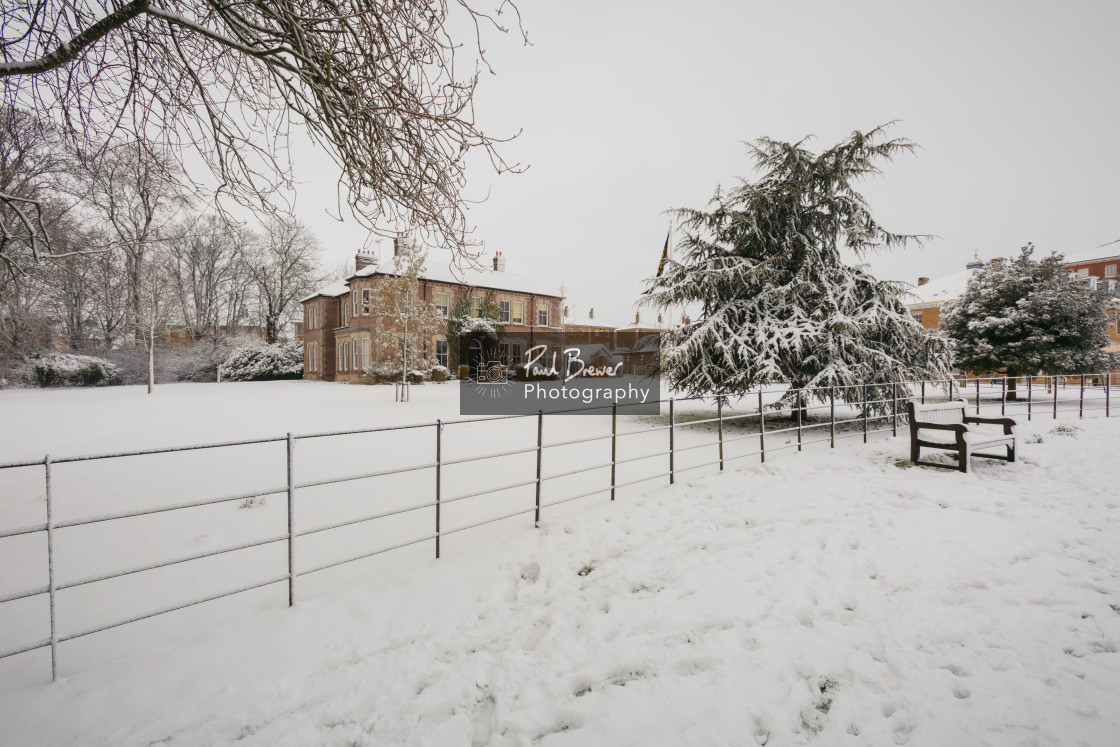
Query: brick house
(339, 324)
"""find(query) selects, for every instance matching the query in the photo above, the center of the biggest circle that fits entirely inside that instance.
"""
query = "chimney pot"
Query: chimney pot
(922, 281)
(637, 317)
(659, 319)
(591, 313)
(499, 262)
(565, 312)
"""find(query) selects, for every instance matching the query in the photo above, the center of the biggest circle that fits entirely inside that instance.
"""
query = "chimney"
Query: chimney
(686, 320)
(364, 259)
(659, 319)
(401, 245)
(500, 265)
(637, 317)
(996, 262)
(922, 281)
(565, 308)
(591, 313)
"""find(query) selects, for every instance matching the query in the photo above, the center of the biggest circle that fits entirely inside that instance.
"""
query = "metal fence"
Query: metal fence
(877, 407)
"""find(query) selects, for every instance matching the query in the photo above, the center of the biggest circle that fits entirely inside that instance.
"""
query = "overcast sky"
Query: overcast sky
(631, 108)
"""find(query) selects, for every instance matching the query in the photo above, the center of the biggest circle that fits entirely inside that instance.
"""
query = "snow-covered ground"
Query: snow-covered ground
(837, 596)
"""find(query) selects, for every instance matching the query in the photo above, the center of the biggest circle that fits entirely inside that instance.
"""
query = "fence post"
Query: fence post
(1081, 400)
(1030, 395)
(894, 410)
(832, 417)
(977, 394)
(1003, 397)
(865, 413)
(671, 428)
(719, 415)
(614, 443)
(1055, 397)
(950, 388)
(923, 391)
(799, 420)
(540, 440)
(439, 469)
(50, 565)
(1107, 382)
(761, 429)
(291, 530)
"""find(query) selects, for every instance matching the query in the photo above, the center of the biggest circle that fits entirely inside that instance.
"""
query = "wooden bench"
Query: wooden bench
(945, 425)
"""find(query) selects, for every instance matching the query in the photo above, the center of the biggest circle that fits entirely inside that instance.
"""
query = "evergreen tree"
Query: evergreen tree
(778, 303)
(1018, 317)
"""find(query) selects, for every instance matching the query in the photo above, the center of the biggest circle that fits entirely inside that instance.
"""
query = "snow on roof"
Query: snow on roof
(334, 289)
(940, 291)
(1111, 250)
(475, 278)
(583, 321)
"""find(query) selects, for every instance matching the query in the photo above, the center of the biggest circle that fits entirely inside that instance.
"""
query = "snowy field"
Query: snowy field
(836, 596)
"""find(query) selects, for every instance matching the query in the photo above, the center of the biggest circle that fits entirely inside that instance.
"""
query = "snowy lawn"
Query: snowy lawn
(837, 596)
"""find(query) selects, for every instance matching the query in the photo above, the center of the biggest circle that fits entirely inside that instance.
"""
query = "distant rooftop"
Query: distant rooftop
(1111, 250)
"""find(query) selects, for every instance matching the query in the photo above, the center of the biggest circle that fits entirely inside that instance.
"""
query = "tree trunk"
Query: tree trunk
(151, 359)
(1011, 388)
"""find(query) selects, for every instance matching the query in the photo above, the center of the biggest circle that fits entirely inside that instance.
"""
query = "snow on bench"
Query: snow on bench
(944, 425)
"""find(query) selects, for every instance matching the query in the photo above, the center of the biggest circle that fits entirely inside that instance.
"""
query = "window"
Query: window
(365, 301)
(1110, 271)
(917, 316)
(542, 315)
(354, 303)
(515, 352)
(441, 353)
(345, 315)
(476, 306)
(354, 354)
(503, 353)
(312, 363)
(517, 312)
(443, 302)
(339, 363)
(503, 312)
(1083, 272)
(365, 352)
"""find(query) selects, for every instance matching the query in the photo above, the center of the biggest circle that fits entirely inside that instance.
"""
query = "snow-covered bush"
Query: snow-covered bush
(390, 372)
(439, 373)
(66, 369)
(260, 361)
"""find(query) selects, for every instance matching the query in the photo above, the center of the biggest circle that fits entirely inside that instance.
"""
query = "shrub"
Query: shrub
(66, 369)
(260, 361)
(439, 373)
(390, 373)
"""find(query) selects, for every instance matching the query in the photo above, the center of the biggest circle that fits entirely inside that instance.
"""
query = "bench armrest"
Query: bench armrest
(1007, 423)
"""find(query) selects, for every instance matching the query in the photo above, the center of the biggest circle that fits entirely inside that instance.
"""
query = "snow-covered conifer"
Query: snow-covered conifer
(778, 303)
(1019, 317)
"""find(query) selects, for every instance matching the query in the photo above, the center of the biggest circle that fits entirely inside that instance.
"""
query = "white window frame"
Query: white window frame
(542, 309)
(503, 311)
(1110, 271)
(444, 358)
(476, 306)
(365, 352)
(353, 303)
(515, 353)
(443, 309)
(354, 355)
(517, 312)
(1083, 272)
(366, 302)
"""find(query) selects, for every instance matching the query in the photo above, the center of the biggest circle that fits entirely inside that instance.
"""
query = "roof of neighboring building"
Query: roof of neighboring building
(574, 321)
(1111, 250)
(940, 291)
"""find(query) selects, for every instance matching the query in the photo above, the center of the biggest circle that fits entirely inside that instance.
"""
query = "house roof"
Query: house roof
(473, 277)
(1111, 250)
(331, 291)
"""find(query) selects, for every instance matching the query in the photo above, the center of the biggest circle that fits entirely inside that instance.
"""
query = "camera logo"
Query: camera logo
(492, 379)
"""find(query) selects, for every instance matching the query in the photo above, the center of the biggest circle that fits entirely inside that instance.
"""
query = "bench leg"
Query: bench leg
(1011, 453)
(962, 457)
(915, 452)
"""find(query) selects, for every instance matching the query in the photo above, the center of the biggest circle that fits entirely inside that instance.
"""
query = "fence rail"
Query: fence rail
(875, 403)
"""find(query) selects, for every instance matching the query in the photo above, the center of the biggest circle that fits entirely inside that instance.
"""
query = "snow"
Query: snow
(835, 596)
(1111, 250)
(940, 291)
(474, 277)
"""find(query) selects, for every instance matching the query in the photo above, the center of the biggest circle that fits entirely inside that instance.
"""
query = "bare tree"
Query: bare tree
(375, 82)
(210, 273)
(154, 306)
(139, 193)
(284, 268)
